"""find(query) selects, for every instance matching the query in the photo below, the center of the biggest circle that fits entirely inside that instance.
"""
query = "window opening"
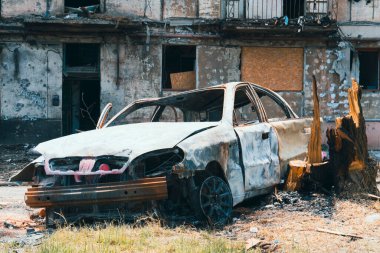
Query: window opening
(369, 69)
(178, 68)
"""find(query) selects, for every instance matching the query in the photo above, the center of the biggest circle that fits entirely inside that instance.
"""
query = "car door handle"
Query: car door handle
(265, 135)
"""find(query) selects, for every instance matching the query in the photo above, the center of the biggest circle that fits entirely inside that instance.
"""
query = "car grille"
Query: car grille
(74, 163)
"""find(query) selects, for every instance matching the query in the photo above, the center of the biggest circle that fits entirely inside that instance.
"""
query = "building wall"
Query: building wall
(13, 8)
(217, 65)
(139, 73)
(363, 11)
(126, 8)
(210, 9)
(134, 8)
(30, 76)
(180, 8)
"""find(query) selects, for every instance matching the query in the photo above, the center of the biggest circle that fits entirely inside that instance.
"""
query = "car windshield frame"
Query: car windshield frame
(175, 100)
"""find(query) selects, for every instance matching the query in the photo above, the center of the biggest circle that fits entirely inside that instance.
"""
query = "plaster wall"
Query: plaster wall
(13, 8)
(332, 90)
(30, 75)
(210, 9)
(356, 31)
(134, 8)
(217, 65)
(180, 8)
(363, 11)
(139, 73)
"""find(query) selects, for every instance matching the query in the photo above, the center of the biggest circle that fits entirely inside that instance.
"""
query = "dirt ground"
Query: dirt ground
(289, 223)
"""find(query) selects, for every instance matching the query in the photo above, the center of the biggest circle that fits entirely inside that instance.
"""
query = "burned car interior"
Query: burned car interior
(196, 153)
(205, 106)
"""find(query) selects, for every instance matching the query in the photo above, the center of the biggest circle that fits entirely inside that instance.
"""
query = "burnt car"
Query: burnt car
(199, 152)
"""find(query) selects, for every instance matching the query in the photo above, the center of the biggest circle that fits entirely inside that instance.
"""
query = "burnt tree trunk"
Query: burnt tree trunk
(353, 171)
(314, 154)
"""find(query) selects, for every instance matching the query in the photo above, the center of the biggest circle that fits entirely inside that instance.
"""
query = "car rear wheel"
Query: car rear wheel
(215, 200)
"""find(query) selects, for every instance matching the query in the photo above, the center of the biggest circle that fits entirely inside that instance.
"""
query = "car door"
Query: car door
(258, 141)
(293, 132)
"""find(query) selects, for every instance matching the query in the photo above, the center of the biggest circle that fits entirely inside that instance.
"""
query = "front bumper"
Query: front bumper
(137, 190)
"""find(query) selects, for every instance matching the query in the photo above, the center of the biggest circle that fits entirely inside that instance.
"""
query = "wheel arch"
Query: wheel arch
(213, 168)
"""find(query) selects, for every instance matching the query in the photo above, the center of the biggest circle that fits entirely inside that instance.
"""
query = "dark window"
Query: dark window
(81, 58)
(369, 69)
(178, 59)
(80, 3)
(294, 8)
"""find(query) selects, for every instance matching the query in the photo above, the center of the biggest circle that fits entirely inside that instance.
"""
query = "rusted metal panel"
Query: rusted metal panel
(138, 190)
(280, 69)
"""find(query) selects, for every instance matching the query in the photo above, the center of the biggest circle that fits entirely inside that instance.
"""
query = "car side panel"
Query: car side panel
(293, 136)
(218, 144)
(260, 156)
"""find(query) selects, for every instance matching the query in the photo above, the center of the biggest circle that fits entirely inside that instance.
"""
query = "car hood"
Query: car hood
(127, 140)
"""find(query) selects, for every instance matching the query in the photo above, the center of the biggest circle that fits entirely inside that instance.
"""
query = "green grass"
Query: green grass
(125, 238)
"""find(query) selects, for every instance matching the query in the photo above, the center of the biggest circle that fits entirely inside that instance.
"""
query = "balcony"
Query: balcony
(280, 15)
(271, 9)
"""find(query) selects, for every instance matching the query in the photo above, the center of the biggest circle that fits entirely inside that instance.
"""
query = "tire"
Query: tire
(214, 200)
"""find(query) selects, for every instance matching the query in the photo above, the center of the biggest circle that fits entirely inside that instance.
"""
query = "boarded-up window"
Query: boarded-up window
(274, 68)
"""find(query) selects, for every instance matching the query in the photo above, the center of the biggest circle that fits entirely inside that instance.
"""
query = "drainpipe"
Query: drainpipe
(47, 12)
(350, 10)
(118, 63)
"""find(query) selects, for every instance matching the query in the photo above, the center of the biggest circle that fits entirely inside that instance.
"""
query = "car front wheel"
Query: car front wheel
(215, 200)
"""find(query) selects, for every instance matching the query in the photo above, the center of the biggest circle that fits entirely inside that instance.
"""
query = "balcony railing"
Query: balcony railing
(269, 9)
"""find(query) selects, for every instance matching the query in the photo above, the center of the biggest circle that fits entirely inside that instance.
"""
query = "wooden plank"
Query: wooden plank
(338, 233)
(183, 80)
(279, 69)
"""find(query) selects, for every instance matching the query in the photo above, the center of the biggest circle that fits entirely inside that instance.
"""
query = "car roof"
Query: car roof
(219, 86)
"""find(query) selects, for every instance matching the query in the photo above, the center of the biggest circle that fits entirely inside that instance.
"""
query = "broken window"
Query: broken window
(244, 111)
(369, 69)
(80, 3)
(274, 111)
(178, 67)
(293, 8)
(199, 106)
(82, 7)
(171, 114)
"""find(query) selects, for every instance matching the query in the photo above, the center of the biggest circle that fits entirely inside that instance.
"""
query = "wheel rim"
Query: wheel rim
(216, 200)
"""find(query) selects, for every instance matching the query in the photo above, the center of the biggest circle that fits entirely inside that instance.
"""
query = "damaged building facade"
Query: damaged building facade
(63, 60)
